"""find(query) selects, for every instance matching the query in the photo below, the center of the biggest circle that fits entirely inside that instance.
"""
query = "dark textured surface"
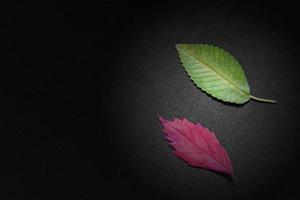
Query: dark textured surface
(83, 85)
(147, 79)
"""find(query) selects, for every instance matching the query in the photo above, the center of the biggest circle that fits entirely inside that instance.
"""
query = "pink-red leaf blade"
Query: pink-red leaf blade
(196, 145)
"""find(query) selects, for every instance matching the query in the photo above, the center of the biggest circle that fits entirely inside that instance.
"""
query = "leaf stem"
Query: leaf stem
(262, 100)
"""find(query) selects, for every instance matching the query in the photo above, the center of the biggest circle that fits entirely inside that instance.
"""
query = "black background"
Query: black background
(82, 85)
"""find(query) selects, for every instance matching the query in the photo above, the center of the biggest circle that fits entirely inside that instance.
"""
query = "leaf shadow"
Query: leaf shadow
(227, 103)
(231, 179)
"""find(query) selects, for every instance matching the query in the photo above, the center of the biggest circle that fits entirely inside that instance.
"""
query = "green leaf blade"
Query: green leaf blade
(215, 71)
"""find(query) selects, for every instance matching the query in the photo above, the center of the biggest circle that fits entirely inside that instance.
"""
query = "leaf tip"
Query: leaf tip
(178, 46)
(234, 178)
(161, 119)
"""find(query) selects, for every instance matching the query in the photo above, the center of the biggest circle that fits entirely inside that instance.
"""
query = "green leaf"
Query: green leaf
(216, 72)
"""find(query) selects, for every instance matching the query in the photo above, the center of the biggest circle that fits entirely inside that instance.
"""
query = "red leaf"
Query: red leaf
(196, 145)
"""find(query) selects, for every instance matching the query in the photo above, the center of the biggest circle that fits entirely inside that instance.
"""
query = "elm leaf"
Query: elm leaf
(216, 72)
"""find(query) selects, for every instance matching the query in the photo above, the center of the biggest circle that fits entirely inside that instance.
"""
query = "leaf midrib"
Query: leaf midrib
(208, 66)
